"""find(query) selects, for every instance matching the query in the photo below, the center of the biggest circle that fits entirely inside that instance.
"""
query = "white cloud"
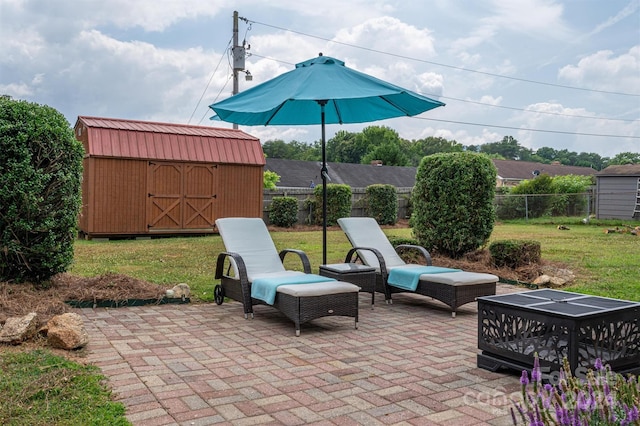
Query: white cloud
(605, 71)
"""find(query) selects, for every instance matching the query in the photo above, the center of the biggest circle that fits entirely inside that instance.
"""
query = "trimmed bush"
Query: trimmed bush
(283, 211)
(514, 253)
(453, 210)
(40, 182)
(338, 203)
(382, 203)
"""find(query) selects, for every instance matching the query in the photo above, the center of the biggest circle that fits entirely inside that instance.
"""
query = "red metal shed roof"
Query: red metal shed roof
(109, 137)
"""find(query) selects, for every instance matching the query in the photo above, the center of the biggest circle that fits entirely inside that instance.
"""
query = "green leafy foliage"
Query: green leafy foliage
(338, 202)
(382, 203)
(514, 253)
(283, 211)
(270, 179)
(453, 209)
(544, 195)
(40, 183)
(569, 199)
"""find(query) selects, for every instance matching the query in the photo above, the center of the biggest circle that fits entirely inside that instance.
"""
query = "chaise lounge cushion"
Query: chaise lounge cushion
(318, 289)
(265, 286)
(407, 277)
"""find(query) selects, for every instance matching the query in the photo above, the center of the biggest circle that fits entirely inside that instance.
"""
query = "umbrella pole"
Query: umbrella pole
(323, 172)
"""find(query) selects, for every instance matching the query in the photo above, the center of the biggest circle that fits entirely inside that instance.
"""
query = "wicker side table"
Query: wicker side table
(360, 275)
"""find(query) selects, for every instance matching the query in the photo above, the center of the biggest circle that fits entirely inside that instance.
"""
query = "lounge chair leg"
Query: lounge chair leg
(297, 332)
(453, 314)
(357, 322)
(246, 316)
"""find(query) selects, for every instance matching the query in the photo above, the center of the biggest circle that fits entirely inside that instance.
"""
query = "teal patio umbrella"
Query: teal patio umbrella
(321, 91)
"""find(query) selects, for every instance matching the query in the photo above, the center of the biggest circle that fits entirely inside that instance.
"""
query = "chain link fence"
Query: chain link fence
(530, 206)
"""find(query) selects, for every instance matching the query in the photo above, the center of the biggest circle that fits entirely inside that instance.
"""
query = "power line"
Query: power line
(524, 80)
(209, 82)
(535, 111)
(216, 98)
(527, 129)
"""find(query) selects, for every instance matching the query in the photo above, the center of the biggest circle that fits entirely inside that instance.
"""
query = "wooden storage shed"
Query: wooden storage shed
(618, 192)
(147, 178)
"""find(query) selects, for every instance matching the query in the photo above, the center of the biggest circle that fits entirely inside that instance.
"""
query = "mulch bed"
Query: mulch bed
(50, 299)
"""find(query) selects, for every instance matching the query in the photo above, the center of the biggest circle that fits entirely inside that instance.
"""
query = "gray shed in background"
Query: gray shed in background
(618, 189)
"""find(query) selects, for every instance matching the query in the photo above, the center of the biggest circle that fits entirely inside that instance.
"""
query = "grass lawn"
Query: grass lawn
(605, 264)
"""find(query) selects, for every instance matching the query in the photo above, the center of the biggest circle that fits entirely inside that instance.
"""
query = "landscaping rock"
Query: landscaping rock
(18, 329)
(67, 331)
(181, 291)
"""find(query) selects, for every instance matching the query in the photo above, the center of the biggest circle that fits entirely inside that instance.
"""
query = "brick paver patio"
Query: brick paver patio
(409, 363)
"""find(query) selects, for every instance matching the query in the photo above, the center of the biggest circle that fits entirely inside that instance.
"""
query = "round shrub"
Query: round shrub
(383, 203)
(515, 253)
(453, 210)
(338, 202)
(40, 181)
(283, 211)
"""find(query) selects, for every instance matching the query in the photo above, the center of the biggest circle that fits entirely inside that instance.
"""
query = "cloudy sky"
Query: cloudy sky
(561, 74)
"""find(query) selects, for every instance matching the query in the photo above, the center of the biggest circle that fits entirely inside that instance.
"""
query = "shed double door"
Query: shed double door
(181, 196)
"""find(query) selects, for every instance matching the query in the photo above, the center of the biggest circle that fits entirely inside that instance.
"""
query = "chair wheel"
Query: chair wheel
(218, 294)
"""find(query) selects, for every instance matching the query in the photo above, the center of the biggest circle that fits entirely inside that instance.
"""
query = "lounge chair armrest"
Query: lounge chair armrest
(302, 255)
(411, 247)
(242, 269)
(352, 255)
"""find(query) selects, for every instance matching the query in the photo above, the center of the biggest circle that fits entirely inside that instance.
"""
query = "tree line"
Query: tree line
(384, 144)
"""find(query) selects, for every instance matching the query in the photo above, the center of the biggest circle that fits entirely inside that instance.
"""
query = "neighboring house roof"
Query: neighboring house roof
(297, 174)
(520, 170)
(621, 170)
(109, 137)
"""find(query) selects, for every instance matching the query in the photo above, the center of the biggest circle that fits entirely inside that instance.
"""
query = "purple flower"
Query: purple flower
(598, 364)
(535, 373)
(524, 378)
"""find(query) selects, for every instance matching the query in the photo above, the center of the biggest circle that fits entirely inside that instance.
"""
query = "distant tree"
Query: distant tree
(508, 148)
(343, 148)
(313, 152)
(625, 158)
(276, 149)
(547, 154)
(293, 150)
(389, 153)
(589, 159)
(431, 145)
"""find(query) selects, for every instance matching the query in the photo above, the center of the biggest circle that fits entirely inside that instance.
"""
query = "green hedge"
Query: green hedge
(40, 183)
(515, 253)
(453, 210)
(338, 203)
(382, 203)
(283, 211)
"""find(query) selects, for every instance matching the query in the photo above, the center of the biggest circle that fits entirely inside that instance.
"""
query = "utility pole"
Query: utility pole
(238, 57)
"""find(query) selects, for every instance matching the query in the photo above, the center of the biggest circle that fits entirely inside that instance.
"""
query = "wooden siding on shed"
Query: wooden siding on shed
(240, 191)
(116, 196)
(616, 197)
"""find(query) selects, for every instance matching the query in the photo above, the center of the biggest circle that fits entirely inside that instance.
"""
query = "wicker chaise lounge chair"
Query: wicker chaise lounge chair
(453, 287)
(251, 271)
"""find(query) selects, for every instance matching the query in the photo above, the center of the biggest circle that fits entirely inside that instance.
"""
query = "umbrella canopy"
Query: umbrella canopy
(322, 91)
